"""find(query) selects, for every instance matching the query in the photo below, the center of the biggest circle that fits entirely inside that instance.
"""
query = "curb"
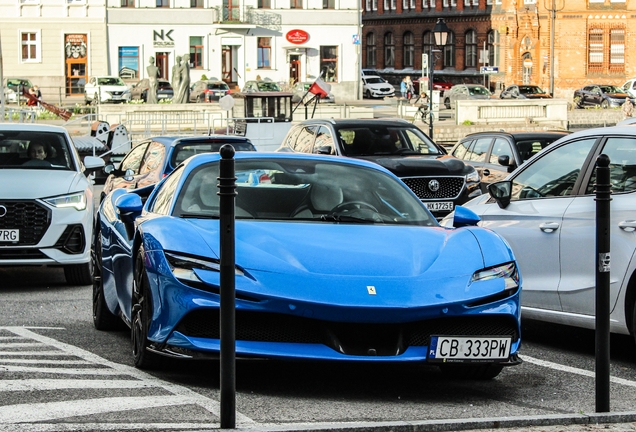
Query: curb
(451, 425)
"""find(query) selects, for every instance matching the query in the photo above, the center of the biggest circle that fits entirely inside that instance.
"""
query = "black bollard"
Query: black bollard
(603, 198)
(227, 194)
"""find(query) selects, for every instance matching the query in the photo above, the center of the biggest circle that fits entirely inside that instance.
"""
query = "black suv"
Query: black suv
(495, 154)
(439, 180)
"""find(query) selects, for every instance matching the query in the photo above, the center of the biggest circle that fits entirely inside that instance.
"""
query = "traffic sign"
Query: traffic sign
(489, 69)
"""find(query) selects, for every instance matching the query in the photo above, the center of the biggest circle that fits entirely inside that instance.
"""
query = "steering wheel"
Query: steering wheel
(352, 205)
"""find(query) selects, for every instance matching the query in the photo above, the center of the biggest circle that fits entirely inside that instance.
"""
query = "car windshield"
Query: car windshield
(530, 90)
(110, 81)
(304, 190)
(374, 80)
(385, 140)
(473, 91)
(183, 151)
(164, 85)
(268, 86)
(34, 150)
(218, 86)
(611, 89)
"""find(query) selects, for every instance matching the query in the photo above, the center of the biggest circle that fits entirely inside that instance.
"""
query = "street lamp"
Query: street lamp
(440, 31)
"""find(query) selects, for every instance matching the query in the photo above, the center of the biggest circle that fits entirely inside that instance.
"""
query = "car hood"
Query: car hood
(538, 96)
(404, 166)
(113, 88)
(38, 183)
(617, 95)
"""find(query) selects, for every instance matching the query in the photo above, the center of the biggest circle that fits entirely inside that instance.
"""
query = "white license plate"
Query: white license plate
(9, 235)
(437, 206)
(460, 348)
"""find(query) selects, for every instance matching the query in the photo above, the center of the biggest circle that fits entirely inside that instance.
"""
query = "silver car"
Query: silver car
(465, 92)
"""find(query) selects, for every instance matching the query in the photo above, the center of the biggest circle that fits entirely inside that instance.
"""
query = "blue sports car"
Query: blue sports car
(336, 259)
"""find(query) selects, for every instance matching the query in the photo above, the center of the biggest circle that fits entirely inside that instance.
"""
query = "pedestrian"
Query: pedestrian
(410, 89)
(404, 87)
(628, 108)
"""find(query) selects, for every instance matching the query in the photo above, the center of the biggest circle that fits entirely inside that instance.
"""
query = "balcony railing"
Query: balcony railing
(247, 15)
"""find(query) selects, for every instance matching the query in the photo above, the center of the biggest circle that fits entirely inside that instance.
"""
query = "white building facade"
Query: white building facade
(232, 40)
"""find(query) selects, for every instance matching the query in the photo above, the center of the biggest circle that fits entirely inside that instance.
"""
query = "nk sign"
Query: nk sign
(489, 70)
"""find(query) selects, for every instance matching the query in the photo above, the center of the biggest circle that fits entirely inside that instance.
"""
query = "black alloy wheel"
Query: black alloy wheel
(140, 317)
(103, 318)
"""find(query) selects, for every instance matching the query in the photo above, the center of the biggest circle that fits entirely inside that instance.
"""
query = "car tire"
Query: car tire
(78, 274)
(578, 102)
(447, 103)
(86, 100)
(368, 94)
(140, 316)
(605, 104)
(103, 318)
(199, 99)
(95, 99)
(486, 371)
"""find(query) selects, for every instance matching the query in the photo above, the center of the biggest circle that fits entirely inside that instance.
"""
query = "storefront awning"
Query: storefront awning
(298, 48)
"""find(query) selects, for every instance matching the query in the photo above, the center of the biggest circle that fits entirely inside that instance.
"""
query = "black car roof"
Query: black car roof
(173, 140)
(358, 122)
(519, 135)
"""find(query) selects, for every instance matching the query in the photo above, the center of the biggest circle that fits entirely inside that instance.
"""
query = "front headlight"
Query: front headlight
(507, 271)
(76, 200)
(183, 266)
(472, 176)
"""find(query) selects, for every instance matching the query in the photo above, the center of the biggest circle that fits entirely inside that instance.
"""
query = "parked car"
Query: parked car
(261, 86)
(524, 92)
(600, 95)
(208, 91)
(46, 202)
(311, 274)
(14, 87)
(495, 154)
(103, 89)
(153, 159)
(465, 92)
(139, 90)
(546, 210)
(630, 87)
(300, 90)
(439, 180)
(376, 87)
(438, 84)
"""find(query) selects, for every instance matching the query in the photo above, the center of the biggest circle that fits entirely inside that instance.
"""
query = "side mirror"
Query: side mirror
(501, 192)
(129, 206)
(465, 217)
(326, 150)
(109, 168)
(129, 175)
(504, 160)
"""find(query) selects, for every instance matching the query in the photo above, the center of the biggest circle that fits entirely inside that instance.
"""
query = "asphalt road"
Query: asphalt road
(57, 373)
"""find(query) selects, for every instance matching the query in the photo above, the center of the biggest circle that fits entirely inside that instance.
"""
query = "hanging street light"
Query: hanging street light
(440, 32)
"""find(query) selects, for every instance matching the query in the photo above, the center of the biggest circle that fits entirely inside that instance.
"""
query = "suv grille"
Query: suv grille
(31, 218)
(449, 187)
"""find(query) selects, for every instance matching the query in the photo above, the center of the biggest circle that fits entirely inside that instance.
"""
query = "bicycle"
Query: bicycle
(422, 114)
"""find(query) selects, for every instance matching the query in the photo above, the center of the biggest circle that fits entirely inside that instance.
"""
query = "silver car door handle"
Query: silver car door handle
(627, 225)
(549, 227)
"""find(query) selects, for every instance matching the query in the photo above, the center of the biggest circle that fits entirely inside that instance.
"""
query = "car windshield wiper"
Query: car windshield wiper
(199, 216)
(407, 151)
(344, 218)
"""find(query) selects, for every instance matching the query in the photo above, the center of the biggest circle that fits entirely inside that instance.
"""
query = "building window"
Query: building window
(264, 4)
(393, 4)
(409, 49)
(493, 48)
(30, 46)
(375, 5)
(595, 49)
(329, 63)
(428, 43)
(471, 2)
(128, 62)
(328, 4)
(196, 3)
(163, 3)
(387, 5)
(367, 5)
(470, 59)
(428, 4)
(296, 4)
(371, 60)
(196, 52)
(617, 47)
(529, 1)
(449, 3)
(389, 50)
(128, 3)
(264, 53)
(449, 51)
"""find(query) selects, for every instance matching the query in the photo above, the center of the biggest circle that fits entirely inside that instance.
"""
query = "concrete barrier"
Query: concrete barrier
(552, 112)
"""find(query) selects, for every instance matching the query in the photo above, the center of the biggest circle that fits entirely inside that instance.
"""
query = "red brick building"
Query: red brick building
(590, 39)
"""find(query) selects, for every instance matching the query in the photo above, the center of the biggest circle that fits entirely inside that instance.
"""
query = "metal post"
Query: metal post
(552, 23)
(603, 198)
(431, 68)
(227, 194)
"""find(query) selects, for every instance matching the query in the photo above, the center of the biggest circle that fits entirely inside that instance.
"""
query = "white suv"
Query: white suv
(46, 214)
(101, 89)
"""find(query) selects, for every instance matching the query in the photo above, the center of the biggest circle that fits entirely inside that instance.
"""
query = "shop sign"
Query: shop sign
(161, 39)
(297, 36)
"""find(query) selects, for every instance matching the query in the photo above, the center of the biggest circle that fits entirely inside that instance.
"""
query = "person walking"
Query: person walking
(628, 108)
(403, 87)
(410, 89)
